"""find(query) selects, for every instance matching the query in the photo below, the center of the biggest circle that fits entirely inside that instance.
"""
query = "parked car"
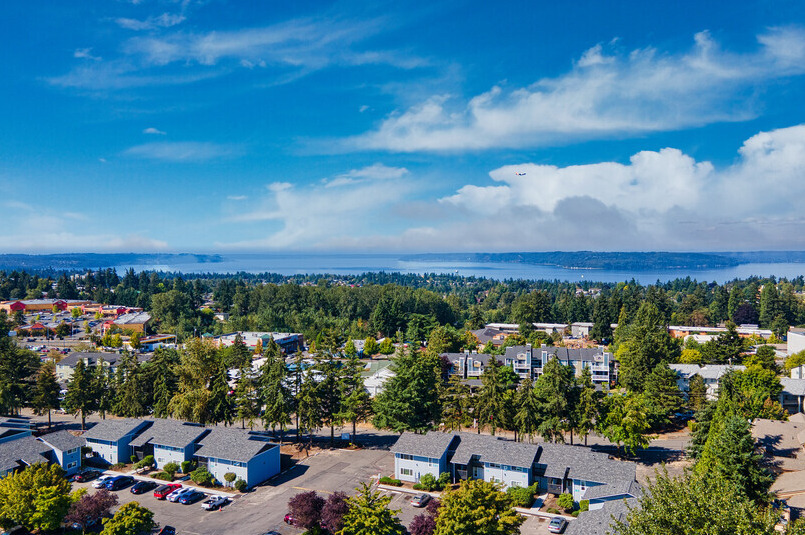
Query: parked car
(167, 530)
(119, 482)
(141, 487)
(160, 493)
(191, 497)
(557, 525)
(101, 481)
(420, 500)
(214, 502)
(86, 475)
(178, 493)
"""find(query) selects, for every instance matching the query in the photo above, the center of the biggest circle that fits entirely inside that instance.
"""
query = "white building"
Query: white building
(711, 374)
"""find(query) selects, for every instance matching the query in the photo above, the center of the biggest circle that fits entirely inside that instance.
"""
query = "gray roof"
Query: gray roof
(232, 444)
(433, 444)
(491, 449)
(585, 354)
(114, 430)
(171, 433)
(73, 358)
(132, 318)
(22, 451)
(585, 464)
(597, 521)
(793, 387)
(62, 440)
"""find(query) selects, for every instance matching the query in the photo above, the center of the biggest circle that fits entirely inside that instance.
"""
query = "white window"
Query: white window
(71, 465)
(406, 457)
(406, 471)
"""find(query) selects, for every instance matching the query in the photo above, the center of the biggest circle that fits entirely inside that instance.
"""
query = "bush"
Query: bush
(418, 486)
(171, 468)
(229, 477)
(428, 482)
(552, 510)
(522, 496)
(565, 501)
(584, 505)
(117, 466)
(202, 476)
(575, 514)
(444, 480)
(163, 476)
(147, 461)
(133, 459)
(188, 466)
(385, 480)
(240, 485)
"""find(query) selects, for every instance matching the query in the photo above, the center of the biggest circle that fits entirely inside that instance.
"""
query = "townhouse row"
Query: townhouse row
(19, 448)
(528, 362)
(555, 468)
(249, 455)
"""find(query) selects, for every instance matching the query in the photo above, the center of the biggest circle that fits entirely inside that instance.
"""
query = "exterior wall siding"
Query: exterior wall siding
(257, 470)
(108, 452)
(507, 476)
(418, 466)
(163, 456)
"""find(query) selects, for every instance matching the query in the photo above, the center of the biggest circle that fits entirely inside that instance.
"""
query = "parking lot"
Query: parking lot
(264, 508)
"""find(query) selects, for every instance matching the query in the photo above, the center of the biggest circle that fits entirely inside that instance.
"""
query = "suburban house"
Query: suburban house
(527, 361)
(248, 455)
(488, 334)
(18, 449)
(795, 340)
(711, 374)
(793, 394)
(375, 375)
(555, 468)
(110, 439)
(169, 441)
(66, 366)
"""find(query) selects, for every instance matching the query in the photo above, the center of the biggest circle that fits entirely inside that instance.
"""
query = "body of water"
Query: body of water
(350, 264)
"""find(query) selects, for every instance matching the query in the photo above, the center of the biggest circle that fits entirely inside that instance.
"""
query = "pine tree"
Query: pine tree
(697, 392)
(247, 399)
(662, 393)
(130, 398)
(356, 404)
(160, 373)
(489, 403)
(455, 403)
(528, 416)
(46, 390)
(275, 395)
(553, 388)
(82, 394)
(106, 387)
(586, 410)
(329, 394)
(220, 403)
(642, 345)
(407, 402)
(309, 408)
(369, 514)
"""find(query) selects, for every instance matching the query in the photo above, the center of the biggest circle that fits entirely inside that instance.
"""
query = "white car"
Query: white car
(214, 502)
(178, 493)
(101, 482)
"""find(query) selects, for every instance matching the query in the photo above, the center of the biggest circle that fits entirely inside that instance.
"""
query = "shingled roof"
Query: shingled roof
(232, 444)
(433, 444)
(114, 429)
(170, 433)
(62, 440)
(598, 521)
(491, 449)
(21, 452)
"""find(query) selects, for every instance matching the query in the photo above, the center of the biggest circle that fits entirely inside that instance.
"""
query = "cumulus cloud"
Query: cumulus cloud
(376, 171)
(605, 94)
(152, 130)
(183, 151)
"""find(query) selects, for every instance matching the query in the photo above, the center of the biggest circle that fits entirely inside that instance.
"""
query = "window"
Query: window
(71, 465)
(406, 472)
(493, 465)
(405, 456)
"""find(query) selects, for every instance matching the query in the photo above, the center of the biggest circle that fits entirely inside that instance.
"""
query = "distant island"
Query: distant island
(617, 261)
(82, 261)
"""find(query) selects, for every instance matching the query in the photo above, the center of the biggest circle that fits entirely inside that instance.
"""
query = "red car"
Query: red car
(290, 520)
(161, 492)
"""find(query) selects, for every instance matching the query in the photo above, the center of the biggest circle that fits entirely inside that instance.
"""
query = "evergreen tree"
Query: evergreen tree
(220, 404)
(662, 394)
(407, 402)
(356, 404)
(238, 355)
(625, 421)
(455, 403)
(82, 394)
(553, 388)
(129, 400)
(46, 391)
(247, 398)
(370, 347)
(308, 406)
(105, 386)
(489, 403)
(276, 397)
(200, 364)
(161, 375)
(329, 393)
(369, 514)
(18, 369)
(697, 392)
(731, 455)
(586, 409)
(642, 345)
(529, 408)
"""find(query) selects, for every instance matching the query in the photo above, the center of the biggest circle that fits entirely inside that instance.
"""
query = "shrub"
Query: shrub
(584, 505)
(147, 461)
(171, 468)
(418, 486)
(565, 501)
(428, 482)
(444, 480)
(188, 466)
(117, 466)
(240, 485)
(133, 459)
(306, 509)
(522, 496)
(332, 515)
(575, 514)
(552, 510)
(163, 476)
(202, 476)
(385, 480)
(422, 525)
(229, 477)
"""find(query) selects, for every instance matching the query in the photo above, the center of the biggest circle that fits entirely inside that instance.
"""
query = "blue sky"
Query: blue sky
(159, 125)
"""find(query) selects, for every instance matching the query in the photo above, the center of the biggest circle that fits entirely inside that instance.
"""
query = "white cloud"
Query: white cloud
(376, 171)
(152, 130)
(603, 95)
(86, 53)
(183, 151)
(237, 197)
(165, 20)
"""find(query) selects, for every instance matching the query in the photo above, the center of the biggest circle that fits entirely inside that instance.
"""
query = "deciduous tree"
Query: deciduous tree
(477, 507)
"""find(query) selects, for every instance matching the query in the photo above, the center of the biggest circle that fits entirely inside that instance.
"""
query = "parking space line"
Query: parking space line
(314, 490)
